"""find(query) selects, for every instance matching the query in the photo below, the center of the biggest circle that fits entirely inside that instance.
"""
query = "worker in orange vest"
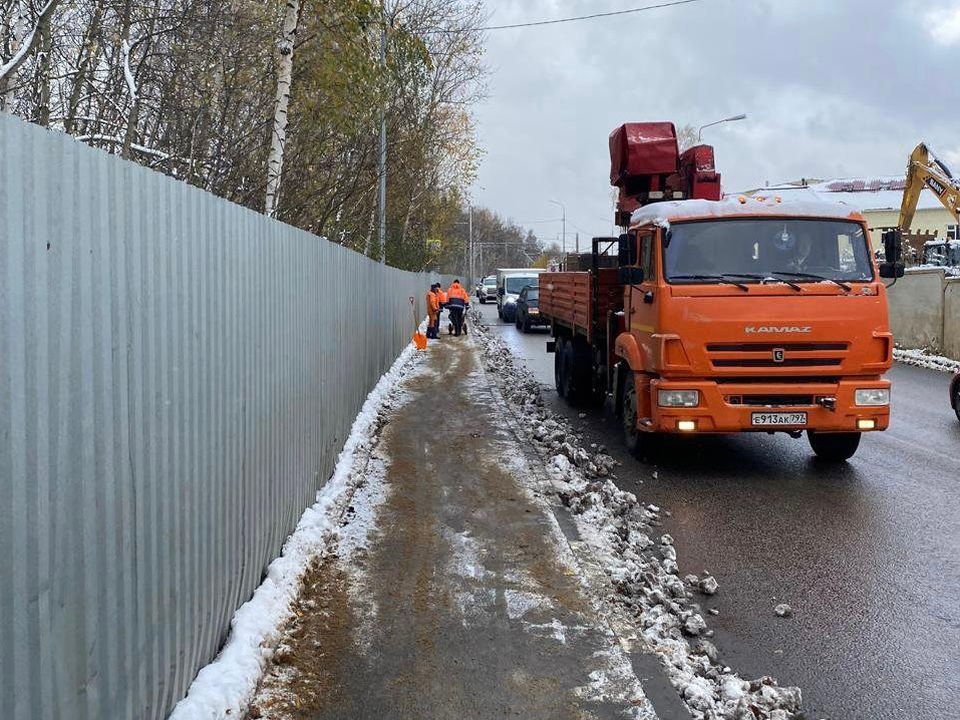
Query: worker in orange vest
(456, 290)
(443, 303)
(433, 311)
(457, 303)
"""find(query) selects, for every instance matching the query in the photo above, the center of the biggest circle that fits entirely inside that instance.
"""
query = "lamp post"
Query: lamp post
(563, 219)
(717, 122)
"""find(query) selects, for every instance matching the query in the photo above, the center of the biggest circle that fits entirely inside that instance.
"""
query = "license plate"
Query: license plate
(533, 311)
(779, 418)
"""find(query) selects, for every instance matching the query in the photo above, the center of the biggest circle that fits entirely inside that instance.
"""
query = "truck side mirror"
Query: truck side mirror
(627, 250)
(893, 255)
(892, 270)
(892, 246)
(500, 291)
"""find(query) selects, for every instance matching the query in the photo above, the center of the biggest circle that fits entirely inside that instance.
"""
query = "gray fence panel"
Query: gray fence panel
(177, 377)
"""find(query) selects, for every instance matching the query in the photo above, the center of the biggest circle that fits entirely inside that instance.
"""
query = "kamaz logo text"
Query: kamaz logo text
(777, 329)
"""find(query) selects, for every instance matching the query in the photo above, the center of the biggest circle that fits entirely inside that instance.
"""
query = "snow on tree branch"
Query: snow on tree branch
(127, 72)
(26, 47)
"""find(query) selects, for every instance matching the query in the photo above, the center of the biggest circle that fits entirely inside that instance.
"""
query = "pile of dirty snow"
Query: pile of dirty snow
(926, 359)
(640, 562)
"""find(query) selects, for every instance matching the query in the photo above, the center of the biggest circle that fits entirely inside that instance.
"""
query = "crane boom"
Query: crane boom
(925, 169)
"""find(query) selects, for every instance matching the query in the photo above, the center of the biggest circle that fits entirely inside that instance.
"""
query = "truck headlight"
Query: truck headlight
(872, 397)
(678, 398)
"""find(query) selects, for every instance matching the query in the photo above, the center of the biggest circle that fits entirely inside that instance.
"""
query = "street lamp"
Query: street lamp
(563, 210)
(717, 122)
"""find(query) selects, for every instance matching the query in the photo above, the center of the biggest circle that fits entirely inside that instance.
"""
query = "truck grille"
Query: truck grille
(770, 400)
(777, 355)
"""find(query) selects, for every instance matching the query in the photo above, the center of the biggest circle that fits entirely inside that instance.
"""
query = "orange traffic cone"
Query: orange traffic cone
(419, 339)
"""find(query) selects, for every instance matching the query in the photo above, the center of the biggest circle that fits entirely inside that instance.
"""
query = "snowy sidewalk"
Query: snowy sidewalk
(451, 591)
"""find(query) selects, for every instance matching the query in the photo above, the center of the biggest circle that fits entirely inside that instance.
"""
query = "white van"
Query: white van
(510, 281)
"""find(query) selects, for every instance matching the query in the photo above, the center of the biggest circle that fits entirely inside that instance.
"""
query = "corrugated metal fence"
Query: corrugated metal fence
(177, 376)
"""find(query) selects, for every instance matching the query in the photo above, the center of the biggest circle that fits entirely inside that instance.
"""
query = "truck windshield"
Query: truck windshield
(515, 283)
(767, 250)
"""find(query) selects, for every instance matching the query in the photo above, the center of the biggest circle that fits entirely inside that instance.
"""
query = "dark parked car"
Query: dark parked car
(955, 394)
(528, 310)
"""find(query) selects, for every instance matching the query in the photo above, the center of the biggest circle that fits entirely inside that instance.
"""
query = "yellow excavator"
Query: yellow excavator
(925, 169)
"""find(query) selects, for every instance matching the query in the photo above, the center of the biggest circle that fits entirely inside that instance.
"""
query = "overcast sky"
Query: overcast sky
(831, 88)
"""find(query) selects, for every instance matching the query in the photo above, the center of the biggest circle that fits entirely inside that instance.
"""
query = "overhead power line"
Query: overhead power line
(592, 16)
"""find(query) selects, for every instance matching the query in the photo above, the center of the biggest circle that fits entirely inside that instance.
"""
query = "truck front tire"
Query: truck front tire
(834, 447)
(632, 437)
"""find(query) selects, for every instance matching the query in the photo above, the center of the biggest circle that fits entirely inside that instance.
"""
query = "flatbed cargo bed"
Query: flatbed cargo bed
(568, 299)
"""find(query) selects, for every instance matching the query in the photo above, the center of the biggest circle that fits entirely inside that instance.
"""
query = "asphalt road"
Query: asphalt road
(867, 554)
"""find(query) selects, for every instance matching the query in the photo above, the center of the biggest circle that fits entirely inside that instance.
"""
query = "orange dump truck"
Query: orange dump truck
(723, 315)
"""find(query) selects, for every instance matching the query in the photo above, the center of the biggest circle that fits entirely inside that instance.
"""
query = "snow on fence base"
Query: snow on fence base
(225, 687)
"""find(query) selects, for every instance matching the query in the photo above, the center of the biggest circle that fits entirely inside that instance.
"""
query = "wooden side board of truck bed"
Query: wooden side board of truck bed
(566, 299)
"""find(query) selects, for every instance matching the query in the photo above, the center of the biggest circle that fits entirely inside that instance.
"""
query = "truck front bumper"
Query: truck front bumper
(730, 407)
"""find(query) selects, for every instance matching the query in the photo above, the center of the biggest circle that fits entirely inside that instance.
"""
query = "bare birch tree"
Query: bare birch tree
(22, 30)
(278, 138)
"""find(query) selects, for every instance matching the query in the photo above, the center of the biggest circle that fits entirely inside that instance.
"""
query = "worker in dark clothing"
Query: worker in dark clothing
(457, 303)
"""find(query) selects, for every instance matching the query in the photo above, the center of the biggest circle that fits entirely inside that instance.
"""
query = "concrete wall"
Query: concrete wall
(925, 311)
(951, 319)
(177, 377)
(916, 309)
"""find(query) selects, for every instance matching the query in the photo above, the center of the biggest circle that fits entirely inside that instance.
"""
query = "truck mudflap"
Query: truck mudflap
(732, 408)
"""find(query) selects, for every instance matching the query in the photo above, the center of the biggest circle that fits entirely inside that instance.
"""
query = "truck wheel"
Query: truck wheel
(631, 436)
(583, 372)
(566, 373)
(835, 447)
(956, 399)
(558, 366)
(516, 322)
(525, 327)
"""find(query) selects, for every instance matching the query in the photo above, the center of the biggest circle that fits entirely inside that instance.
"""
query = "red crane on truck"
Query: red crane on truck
(723, 315)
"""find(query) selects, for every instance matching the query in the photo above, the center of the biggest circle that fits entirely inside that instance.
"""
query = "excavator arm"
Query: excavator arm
(926, 170)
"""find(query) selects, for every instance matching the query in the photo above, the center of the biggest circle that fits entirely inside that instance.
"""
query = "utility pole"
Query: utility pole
(382, 159)
(470, 243)
(563, 219)
(578, 243)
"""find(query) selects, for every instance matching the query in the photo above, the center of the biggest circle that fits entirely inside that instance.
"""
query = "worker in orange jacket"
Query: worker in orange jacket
(443, 303)
(433, 311)
(457, 303)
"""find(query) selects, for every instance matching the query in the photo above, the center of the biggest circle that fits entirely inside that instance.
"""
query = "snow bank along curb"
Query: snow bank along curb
(643, 572)
(925, 359)
(225, 687)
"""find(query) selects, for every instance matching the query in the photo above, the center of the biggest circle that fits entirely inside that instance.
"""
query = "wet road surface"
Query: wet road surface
(868, 554)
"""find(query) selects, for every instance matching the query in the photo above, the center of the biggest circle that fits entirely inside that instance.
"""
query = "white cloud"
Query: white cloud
(823, 96)
(952, 158)
(943, 24)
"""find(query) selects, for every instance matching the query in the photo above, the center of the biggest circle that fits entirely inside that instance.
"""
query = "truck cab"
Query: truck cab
(726, 315)
(753, 315)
